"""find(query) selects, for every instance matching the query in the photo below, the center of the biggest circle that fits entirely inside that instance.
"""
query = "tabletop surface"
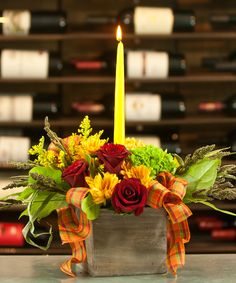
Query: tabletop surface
(198, 269)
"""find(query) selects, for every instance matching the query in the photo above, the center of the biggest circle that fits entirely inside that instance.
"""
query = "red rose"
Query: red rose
(75, 174)
(112, 155)
(129, 196)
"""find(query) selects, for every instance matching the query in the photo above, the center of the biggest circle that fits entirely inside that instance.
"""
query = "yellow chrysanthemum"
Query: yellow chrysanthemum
(131, 143)
(93, 143)
(101, 187)
(140, 172)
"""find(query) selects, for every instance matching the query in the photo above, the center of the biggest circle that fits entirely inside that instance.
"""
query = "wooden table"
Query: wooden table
(198, 269)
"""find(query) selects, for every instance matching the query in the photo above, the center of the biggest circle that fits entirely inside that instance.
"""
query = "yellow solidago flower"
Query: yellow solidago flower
(101, 187)
(140, 172)
(131, 143)
(93, 143)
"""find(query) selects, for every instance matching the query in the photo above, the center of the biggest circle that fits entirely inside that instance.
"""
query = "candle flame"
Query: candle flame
(119, 34)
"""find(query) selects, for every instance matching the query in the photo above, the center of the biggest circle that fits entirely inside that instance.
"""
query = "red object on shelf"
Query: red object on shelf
(11, 234)
(224, 235)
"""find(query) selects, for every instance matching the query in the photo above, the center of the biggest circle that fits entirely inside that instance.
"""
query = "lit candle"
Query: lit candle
(119, 111)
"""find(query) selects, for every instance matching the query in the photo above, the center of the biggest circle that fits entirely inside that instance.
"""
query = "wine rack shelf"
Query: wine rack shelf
(81, 79)
(128, 36)
(108, 123)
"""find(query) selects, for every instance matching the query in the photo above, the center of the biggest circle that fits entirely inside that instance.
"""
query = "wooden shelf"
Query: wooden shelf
(108, 123)
(84, 35)
(201, 245)
(79, 79)
(34, 251)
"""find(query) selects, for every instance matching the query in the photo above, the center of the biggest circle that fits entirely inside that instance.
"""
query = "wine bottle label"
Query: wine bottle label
(89, 65)
(14, 148)
(24, 64)
(16, 22)
(147, 64)
(6, 108)
(149, 20)
(23, 108)
(143, 107)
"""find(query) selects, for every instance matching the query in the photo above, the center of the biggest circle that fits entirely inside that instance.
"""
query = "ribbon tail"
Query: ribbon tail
(179, 234)
(73, 230)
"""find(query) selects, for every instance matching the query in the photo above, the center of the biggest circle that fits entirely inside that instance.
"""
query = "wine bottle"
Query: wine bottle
(26, 107)
(139, 64)
(220, 64)
(23, 22)
(139, 107)
(11, 234)
(14, 148)
(228, 106)
(224, 234)
(213, 223)
(223, 21)
(29, 64)
(153, 107)
(147, 20)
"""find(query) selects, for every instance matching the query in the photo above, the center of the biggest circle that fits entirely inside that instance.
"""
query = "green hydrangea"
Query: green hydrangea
(156, 159)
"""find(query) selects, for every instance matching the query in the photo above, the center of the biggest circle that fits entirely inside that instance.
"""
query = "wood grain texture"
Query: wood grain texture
(127, 244)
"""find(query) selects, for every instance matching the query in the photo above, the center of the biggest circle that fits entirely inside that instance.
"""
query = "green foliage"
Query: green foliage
(40, 205)
(154, 158)
(91, 209)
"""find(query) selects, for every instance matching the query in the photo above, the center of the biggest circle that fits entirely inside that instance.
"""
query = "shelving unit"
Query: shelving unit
(196, 86)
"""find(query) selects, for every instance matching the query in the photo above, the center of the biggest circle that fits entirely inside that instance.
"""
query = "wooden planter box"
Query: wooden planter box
(127, 244)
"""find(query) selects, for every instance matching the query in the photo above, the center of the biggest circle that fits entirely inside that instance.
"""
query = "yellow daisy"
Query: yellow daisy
(93, 143)
(140, 172)
(101, 187)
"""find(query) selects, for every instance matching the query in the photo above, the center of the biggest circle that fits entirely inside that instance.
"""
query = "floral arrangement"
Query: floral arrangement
(89, 172)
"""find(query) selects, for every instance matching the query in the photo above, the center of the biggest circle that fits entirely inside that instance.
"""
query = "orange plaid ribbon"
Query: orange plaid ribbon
(73, 229)
(168, 192)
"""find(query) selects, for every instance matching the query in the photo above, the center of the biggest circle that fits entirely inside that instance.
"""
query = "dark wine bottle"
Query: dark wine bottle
(228, 106)
(27, 107)
(29, 64)
(224, 234)
(213, 223)
(139, 107)
(148, 20)
(22, 22)
(221, 64)
(139, 64)
(223, 21)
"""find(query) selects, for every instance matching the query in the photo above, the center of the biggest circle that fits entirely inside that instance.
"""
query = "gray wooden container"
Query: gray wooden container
(127, 244)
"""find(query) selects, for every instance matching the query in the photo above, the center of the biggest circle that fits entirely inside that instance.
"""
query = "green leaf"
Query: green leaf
(216, 208)
(24, 195)
(91, 209)
(201, 175)
(41, 204)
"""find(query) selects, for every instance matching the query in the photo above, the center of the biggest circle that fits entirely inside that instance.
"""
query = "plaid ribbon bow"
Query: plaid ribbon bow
(168, 192)
(73, 229)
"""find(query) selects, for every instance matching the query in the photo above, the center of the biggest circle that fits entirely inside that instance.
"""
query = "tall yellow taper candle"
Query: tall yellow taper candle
(119, 111)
